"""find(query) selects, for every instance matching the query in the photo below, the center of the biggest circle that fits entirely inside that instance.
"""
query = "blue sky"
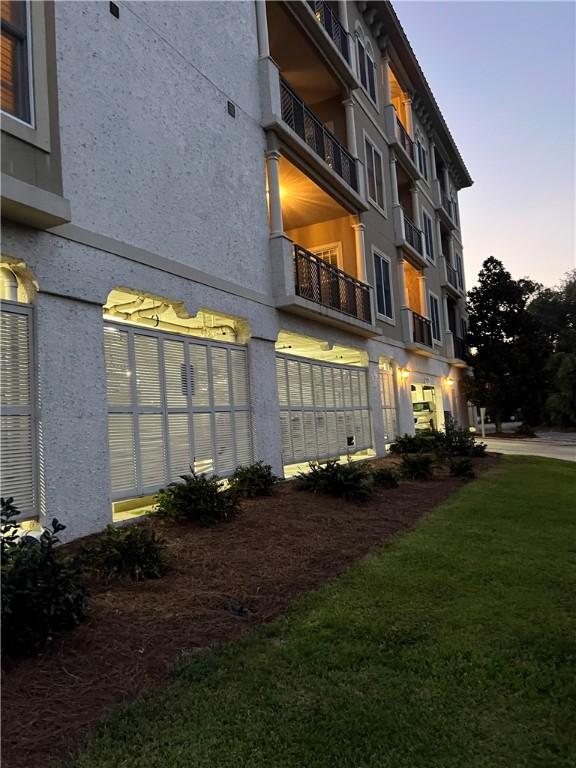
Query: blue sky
(503, 74)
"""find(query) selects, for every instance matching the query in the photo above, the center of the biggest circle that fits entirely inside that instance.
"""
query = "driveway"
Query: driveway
(551, 445)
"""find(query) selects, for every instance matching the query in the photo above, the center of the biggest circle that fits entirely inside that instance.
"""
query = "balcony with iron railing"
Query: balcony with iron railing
(334, 29)
(451, 275)
(300, 118)
(405, 140)
(413, 235)
(421, 330)
(460, 350)
(320, 282)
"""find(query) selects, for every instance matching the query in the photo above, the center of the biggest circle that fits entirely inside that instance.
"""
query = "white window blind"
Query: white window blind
(323, 409)
(18, 445)
(388, 402)
(173, 403)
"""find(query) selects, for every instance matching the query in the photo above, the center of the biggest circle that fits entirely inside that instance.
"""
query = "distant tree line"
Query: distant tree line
(522, 338)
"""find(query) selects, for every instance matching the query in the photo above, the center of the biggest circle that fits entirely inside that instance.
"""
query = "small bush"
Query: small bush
(254, 480)
(478, 450)
(352, 481)
(525, 430)
(41, 589)
(419, 467)
(385, 477)
(133, 552)
(461, 466)
(421, 442)
(199, 499)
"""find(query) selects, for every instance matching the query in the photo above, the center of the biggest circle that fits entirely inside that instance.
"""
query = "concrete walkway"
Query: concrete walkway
(551, 445)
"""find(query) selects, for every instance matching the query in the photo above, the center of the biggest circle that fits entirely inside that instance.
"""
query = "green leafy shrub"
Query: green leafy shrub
(422, 442)
(461, 466)
(352, 481)
(417, 467)
(254, 480)
(199, 499)
(133, 552)
(41, 589)
(385, 477)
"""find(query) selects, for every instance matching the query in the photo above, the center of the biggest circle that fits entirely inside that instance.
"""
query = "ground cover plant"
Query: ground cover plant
(352, 481)
(417, 466)
(452, 647)
(197, 499)
(41, 589)
(461, 466)
(385, 477)
(253, 480)
(132, 552)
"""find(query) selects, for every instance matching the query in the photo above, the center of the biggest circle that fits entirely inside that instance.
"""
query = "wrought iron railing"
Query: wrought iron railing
(317, 280)
(460, 350)
(421, 329)
(304, 122)
(447, 204)
(405, 140)
(333, 27)
(451, 274)
(412, 234)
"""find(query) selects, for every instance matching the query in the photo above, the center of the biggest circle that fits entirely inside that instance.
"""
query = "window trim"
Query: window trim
(369, 60)
(430, 256)
(382, 208)
(432, 295)
(336, 245)
(37, 132)
(377, 253)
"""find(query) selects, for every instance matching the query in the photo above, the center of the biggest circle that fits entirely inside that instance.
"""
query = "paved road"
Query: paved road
(561, 447)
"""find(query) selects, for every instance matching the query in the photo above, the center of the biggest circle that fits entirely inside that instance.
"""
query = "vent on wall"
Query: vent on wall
(231, 109)
(115, 10)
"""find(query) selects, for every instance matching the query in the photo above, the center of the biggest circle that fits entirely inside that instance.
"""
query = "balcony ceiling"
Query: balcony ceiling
(303, 201)
(297, 59)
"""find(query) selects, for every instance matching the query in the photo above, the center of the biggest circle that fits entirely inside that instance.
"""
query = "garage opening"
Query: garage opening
(427, 406)
(178, 396)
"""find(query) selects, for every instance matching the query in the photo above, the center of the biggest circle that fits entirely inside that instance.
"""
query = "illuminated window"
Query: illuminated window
(374, 174)
(15, 61)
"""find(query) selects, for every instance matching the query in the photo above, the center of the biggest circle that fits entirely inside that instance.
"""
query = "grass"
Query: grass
(453, 647)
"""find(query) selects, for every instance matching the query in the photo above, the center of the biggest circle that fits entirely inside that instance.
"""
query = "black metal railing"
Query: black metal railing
(460, 350)
(319, 281)
(412, 234)
(446, 203)
(405, 141)
(451, 274)
(421, 329)
(304, 122)
(333, 26)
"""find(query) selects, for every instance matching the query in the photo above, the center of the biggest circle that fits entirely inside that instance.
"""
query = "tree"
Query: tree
(510, 346)
(555, 308)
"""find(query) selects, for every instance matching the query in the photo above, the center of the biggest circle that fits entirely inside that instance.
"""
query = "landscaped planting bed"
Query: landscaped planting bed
(221, 582)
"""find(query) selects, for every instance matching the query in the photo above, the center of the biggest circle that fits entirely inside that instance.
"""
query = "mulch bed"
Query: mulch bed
(223, 581)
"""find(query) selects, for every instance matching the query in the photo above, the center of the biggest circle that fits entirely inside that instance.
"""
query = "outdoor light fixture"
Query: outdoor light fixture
(449, 381)
(404, 373)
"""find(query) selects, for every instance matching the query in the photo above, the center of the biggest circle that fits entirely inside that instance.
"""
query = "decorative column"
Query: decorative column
(350, 127)
(343, 14)
(264, 405)
(439, 233)
(360, 250)
(433, 159)
(446, 180)
(274, 200)
(394, 179)
(408, 106)
(375, 403)
(415, 206)
(423, 296)
(262, 29)
(386, 80)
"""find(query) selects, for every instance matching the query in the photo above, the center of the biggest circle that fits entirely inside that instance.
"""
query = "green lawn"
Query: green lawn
(453, 647)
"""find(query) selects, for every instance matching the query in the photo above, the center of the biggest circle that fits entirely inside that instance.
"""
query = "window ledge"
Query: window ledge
(36, 207)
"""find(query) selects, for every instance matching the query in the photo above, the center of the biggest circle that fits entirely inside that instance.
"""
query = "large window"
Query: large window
(435, 317)
(428, 235)
(15, 73)
(324, 409)
(383, 277)
(374, 174)
(366, 69)
(173, 403)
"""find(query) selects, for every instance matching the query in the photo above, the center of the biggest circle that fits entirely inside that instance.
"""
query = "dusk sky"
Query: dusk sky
(503, 74)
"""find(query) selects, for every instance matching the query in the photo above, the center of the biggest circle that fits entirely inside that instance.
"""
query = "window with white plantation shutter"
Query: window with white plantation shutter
(173, 402)
(388, 400)
(323, 409)
(18, 422)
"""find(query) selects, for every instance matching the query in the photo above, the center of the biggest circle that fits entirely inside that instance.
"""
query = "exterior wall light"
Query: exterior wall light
(404, 373)
(449, 381)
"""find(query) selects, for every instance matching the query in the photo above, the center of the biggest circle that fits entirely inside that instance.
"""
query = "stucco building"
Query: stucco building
(230, 232)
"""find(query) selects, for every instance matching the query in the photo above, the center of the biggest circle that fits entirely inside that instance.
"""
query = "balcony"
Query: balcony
(456, 350)
(310, 129)
(421, 330)
(398, 134)
(443, 204)
(409, 237)
(331, 23)
(318, 281)
(417, 332)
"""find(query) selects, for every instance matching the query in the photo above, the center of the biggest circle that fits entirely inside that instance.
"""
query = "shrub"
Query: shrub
(134, 552)
(41, 589)
(385, 477)
(254, 480)
(352, 481)
(461, 466)
(525, 430)
(198, 499)
(418, 467)
(421, 442)
(478, 450)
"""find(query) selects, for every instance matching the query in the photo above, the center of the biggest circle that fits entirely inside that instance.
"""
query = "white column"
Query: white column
(439, 234)
(350, 127)
(423, 295)
(375, 402)
(433, 159)
(262, 28)
(386, 81)
(264, 405)
(343, 14)
(274, 200)
(394, 179)
(73, 415)
(446, 180)
(415, 206)
(408, 105)
(360, 250)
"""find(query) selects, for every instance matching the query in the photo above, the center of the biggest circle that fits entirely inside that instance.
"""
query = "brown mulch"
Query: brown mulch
(223, 581)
